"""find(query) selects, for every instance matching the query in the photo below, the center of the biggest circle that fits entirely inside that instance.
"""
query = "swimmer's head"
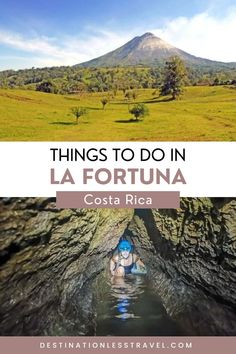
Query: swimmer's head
(125, 248)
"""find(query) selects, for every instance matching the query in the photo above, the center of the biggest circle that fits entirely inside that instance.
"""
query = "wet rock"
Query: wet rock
(47, 256)
(193, 261)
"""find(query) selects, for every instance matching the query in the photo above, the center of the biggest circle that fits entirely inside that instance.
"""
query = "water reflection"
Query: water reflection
(128, 307)
(125, 291)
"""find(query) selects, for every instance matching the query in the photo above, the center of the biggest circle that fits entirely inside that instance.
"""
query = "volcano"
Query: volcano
(147, 50)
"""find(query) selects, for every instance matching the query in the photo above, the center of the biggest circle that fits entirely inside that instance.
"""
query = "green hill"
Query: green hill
(203, 113)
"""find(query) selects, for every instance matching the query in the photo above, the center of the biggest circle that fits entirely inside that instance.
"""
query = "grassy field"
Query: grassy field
(202, 114)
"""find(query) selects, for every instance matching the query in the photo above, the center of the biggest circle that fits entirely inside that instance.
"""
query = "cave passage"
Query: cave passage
(54, 279)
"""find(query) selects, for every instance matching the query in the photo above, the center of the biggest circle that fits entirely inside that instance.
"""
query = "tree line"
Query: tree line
(75, 79)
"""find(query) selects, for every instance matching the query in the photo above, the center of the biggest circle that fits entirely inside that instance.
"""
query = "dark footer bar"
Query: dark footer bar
(65, 345)
(142, 200)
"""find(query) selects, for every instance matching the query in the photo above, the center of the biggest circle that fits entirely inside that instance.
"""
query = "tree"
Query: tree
(139, 110)
(104, 101)
(134, 95)
(47, 86)
(216, 82)
(174, 78)
(128, 95)
(78, 112)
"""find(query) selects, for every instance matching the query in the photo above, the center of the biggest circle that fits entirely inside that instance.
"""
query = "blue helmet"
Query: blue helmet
(124, 245)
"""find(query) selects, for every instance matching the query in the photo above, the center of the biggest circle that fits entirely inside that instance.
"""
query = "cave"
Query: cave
(55, 279)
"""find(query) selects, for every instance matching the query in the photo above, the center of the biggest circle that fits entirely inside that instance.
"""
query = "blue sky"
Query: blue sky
(66, 32)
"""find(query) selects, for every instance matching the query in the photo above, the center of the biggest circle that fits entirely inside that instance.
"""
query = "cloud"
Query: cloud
(68, 50)
(203, 35)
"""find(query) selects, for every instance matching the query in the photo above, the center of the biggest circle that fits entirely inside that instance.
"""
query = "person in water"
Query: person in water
(125, 262)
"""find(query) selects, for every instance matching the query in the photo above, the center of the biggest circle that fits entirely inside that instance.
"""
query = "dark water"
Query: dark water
(127, 307)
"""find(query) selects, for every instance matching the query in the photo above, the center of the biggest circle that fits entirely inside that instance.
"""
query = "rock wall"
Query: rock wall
(191, 254)
(199, 241)
(47, 257)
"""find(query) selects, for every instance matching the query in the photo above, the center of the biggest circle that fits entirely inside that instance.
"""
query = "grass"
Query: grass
(202, 114)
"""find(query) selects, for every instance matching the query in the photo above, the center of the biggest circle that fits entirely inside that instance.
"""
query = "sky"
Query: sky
(39, 33)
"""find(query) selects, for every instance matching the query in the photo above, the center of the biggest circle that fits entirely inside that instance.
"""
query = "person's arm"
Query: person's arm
(138, 261)
(112, 266)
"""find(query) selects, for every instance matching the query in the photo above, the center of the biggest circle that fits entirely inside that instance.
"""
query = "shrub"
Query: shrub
(78, 112)
(139, 110)
(104, 101)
